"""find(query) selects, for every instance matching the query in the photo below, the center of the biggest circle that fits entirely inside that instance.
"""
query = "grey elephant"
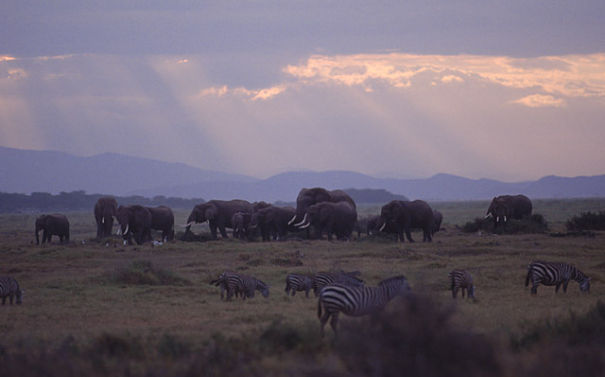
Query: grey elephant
(240, 222)
(506, 207)
(331, 218)
(218, 213)
(272, 222)
(437, 220)
(105, 209)
(308, 197)
(405, 216)
(162, 219)
(135, 220)
(52, 225)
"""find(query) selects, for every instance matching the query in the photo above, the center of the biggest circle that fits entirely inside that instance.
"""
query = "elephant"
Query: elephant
(406, 215)
(272, 222)
(506, 207)
(51, 225)
(437, 220)
(308, 197)
(332, 218)
(218, 213)
(134, 220)
(162, 219)
(240, 222)
(105, 210)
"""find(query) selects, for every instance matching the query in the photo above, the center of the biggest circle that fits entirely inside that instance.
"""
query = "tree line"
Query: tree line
(80, 201)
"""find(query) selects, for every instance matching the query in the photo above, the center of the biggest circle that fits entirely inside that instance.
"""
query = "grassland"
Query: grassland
(77, 294)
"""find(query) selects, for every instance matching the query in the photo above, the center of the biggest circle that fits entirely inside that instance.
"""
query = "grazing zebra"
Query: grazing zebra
(462, 279)
(10, 288)
(298, 283)
(236, 284)
(357, 301)
(322, 279)
(549, 273)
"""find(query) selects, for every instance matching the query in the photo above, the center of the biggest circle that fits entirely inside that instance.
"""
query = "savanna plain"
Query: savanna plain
(102, 308)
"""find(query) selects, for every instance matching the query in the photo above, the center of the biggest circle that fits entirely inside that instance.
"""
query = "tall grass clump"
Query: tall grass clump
(587, 221)
(144, 273)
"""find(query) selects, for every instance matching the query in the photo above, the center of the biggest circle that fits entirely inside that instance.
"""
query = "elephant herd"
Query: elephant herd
(318, 212)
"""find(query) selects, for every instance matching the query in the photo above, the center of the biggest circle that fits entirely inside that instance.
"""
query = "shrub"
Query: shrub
(533, 224)
(414, 335)
(587, 329)
(587, 221)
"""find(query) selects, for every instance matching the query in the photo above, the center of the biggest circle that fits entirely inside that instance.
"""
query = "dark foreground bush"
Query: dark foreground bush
(587, 221)
(143, 272)
(587, 329)
(414, 337)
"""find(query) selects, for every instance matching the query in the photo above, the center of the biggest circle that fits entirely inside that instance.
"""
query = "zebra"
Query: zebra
(357, 301)
(462, 280)
(298, 283)
(10, 288)
(238, 284)
(549, 273)
(322, 279)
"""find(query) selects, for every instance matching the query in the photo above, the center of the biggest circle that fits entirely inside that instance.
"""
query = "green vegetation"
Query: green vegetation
(102, 308)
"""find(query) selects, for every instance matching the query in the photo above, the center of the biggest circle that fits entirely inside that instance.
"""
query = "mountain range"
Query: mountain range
(26, 171)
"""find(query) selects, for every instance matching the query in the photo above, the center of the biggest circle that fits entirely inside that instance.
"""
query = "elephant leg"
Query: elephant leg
(45, 236)
(213, 231)
(221, 228)
(408, 234)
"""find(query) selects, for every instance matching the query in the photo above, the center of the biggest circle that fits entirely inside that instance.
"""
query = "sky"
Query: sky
(509, 90)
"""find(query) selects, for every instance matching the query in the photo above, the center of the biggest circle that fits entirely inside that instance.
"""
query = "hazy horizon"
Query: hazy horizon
(510, 92)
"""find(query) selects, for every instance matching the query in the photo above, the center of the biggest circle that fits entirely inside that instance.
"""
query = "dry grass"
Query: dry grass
(69, 292)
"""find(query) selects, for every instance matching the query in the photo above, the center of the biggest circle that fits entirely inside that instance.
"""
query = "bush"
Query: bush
(144, 273)
(587, 329)
(413, 337)
(533, 224)
(587, 221)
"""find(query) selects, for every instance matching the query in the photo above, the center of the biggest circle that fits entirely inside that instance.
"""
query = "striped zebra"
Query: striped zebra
(548, 273)
(238, 284)
(322, 279)
(298, 283)
(462, 280)
(10, 288)
(357, 301)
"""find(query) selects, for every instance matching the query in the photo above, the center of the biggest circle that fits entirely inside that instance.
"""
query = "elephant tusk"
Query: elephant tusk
(488, 215)
(102, 220)
(304, 226)
(304, 220)
(292, 220)
(126, 230)
(504, 218)
(187, 225)
(382, 227)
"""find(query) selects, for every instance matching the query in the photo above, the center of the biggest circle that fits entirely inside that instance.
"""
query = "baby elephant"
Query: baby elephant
(298, 283)
(462, 279)
(52, 225)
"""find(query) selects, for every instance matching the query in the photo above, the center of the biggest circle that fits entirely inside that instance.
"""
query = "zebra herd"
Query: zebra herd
(344, 292)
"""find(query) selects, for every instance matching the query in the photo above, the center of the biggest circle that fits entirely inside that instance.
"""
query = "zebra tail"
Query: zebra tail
(319, 308)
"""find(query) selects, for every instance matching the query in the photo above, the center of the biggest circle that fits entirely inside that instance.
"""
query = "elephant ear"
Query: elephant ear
(210, 213)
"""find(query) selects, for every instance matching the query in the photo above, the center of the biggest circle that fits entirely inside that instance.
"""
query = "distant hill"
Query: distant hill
(23, 171)
(374, 196)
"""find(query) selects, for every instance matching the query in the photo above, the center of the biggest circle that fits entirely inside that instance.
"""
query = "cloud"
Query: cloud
(570, 76)
(539, 100)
